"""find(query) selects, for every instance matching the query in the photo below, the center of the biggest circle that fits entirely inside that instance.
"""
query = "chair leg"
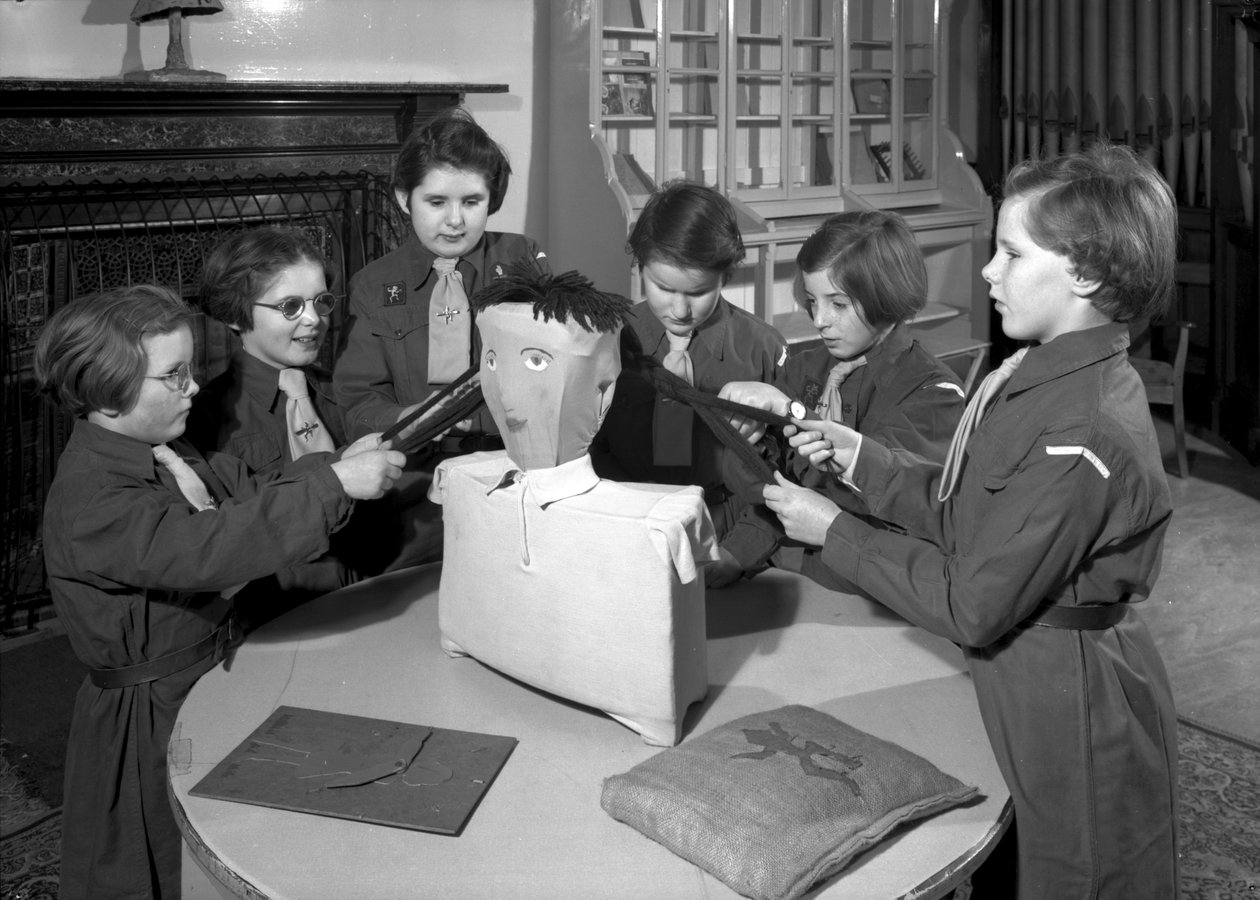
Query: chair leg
(1179, 433)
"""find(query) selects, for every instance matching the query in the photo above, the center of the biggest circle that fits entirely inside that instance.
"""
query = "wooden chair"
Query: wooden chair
(1164, 382)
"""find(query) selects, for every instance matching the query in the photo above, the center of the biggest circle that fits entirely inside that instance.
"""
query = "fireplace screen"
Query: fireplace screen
(61, 242)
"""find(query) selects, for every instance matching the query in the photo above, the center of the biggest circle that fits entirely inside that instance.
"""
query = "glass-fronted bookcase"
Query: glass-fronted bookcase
(750, 96)
(795, 109)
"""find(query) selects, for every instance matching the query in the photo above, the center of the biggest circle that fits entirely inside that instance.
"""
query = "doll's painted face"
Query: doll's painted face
(548, 385)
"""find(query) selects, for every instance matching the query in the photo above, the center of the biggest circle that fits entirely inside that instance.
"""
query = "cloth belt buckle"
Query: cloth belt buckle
(1080, 618)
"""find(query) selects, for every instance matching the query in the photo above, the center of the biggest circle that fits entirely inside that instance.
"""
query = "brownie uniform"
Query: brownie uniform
(136, 574)
(1062, 502)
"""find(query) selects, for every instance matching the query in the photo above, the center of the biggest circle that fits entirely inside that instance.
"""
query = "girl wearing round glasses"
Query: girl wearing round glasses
(269, 286)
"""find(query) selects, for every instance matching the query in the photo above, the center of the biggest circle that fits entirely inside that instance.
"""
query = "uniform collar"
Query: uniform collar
(1068, 353)
(711, 334)
(895, 343)
(545, 486)
(262, 381)
(122, 453)
(420, 261)
(259, 380)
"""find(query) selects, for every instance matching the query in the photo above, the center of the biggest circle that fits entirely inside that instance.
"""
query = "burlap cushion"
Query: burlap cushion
(774, 802)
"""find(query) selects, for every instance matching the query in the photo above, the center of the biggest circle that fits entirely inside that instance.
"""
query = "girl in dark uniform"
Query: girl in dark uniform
(1031, 545)
(687, 244)
(410, 327)
(146, 542)
(862, 278)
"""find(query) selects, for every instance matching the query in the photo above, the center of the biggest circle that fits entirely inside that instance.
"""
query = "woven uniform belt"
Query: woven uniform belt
(1079, 618)
(469, 443)
(218, 642)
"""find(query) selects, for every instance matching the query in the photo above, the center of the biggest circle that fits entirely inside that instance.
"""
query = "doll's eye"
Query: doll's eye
(536, 360)
(491, 360)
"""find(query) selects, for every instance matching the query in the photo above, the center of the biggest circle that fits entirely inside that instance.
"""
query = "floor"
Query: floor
(1204, 611)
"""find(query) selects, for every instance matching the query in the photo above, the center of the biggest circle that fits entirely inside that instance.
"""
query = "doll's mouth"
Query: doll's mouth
(514, 424)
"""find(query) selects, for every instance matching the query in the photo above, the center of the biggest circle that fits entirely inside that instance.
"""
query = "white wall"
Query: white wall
(478, 41)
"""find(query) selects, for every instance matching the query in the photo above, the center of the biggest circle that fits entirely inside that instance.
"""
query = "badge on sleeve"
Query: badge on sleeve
(396, 293)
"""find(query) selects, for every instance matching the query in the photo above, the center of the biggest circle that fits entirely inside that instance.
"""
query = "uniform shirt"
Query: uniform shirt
(903, 397)
(384, 366)
(135, 573)
(731, 345)
(242, 413)
(1062, 499)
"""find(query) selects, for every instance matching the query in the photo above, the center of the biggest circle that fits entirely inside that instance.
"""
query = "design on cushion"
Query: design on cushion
(776, 740)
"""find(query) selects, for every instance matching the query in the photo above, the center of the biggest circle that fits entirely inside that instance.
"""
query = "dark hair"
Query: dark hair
(90, 355)
(872, 256)
(690, 226)
(559, 297)
(455, 140)
(1113, 216)
(242, 268)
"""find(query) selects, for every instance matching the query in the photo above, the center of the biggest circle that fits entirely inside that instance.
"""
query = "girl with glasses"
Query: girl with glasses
(270, 286)
(147, 544)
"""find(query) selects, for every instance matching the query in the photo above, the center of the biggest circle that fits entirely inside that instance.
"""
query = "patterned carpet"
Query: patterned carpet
(1220, 818)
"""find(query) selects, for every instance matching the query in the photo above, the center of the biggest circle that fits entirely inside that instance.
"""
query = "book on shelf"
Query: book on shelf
(872, 96)
(912, 168)
(610, 103)
(636, 95)
(627, 58)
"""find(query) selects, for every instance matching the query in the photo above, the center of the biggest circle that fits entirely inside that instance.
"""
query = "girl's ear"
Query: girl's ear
(403, 198)
(1084, 287)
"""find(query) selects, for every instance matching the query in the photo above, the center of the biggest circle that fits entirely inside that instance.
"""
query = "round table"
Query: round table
(372, 650)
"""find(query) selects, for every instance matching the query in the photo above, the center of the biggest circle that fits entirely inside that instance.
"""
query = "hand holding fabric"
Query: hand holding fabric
(758, 395)
(829, 446)
(806, 515)
(367, 468)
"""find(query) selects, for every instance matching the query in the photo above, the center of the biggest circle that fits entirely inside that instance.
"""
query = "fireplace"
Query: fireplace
(107, 183)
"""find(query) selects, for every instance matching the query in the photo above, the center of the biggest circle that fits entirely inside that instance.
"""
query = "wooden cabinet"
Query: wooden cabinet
(1235, 195)
(795, 109)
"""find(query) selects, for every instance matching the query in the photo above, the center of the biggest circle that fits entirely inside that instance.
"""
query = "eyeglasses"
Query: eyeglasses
(292, 307)
(177, 379)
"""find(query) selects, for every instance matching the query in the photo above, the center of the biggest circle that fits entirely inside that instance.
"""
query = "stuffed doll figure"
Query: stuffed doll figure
(588, 589)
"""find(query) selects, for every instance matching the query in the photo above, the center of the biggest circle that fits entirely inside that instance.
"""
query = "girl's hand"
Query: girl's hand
(829, 446)
(758, 395)
(806, 515)
(726, 571)
(368, 468)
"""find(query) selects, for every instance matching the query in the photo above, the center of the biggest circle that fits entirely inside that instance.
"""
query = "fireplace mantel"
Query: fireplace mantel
(75, 128)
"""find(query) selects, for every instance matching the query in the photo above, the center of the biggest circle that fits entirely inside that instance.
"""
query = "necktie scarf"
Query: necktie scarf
(190, 483)
(672, 421)
(989, 388)
(450, 324)
(832, 406)
(307, 433)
